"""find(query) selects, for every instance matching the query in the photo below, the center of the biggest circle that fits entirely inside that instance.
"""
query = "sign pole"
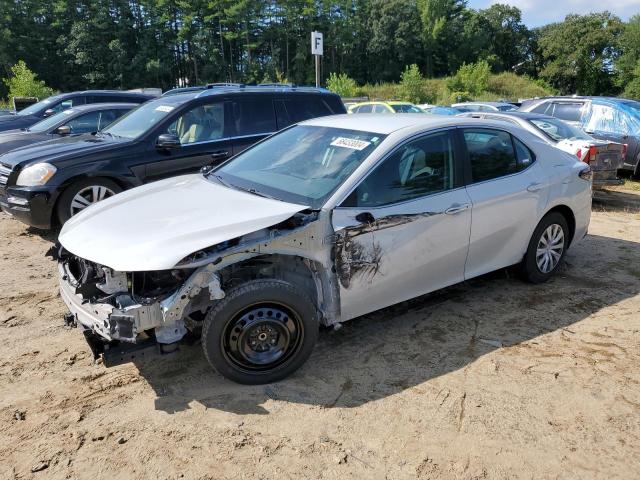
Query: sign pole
(316, 51)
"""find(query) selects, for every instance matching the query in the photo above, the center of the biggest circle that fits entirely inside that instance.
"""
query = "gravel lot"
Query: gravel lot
(493, 378)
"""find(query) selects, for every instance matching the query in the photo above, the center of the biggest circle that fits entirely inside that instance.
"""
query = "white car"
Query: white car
(322, 222)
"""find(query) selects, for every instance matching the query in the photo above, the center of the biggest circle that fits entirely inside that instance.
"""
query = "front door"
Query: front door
(404, 231)
(203, 141)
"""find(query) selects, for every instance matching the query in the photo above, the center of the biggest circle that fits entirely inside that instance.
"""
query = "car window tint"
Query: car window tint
(66, 104)
(569, 112)
(282, 115)
(492, 154)
(524, 154)
(604, 118)
(306, 107)
(380, 109)
(203, 123)
(418, 168)
(108, 116)
(254, 116)
(365, 109)
(85, 123)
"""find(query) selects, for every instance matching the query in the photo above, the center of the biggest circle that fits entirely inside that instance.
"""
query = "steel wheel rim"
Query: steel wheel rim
(262, 337)
(550, 248)
(88, 196)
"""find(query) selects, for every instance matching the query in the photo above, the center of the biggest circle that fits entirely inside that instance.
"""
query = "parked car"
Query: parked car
(323, 222)
(605, 118)
(75, 121)
(57, 103)
(440, 110)
(384, 107)
(5, 111)
(45, 184)
(604, 157)
(485, 106)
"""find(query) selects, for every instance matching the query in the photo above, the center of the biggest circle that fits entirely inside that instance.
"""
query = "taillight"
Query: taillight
(579, 154)
(585, 173)
(591, 154)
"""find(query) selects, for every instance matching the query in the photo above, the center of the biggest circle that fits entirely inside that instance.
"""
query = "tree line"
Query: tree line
(80, 44)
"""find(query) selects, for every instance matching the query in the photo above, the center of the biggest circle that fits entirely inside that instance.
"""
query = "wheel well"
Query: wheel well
(568, 215)
(293, 269)
(70, 181)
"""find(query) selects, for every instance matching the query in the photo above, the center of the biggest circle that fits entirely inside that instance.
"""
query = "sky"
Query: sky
(540, 12)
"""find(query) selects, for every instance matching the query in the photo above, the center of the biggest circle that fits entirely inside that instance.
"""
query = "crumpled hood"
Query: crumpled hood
(154, 226)
(60, 149)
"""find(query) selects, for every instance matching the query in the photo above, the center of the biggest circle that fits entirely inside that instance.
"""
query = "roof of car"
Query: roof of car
(226, 88)
(89, 107)
(493, 104)
(382, 124)
(513, 114)
(585, 97)
(105, 92)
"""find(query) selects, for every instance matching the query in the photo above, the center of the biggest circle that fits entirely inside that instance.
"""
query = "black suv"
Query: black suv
(47, 183)
(57, 103)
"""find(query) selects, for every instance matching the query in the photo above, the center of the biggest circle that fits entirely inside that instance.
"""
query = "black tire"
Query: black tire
(260, 332)
(63, 208)
(531, 271)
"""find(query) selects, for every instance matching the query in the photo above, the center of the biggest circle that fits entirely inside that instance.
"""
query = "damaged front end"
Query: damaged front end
(116, 308)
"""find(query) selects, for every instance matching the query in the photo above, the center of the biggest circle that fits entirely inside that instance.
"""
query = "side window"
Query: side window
(542, 108)
(418, 168)
(66, 104)
(492, 154)
(306, 107)
(282, 115)
(607, 119)
(380, 109)
(203, 123)
(253, 116)
(108, 116)
(85, 123)
(365, 109)
(569, 112)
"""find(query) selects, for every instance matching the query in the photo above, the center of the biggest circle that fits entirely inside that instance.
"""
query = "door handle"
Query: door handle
(453, 209)
(219, 155)
(365, 217)
(534, 187)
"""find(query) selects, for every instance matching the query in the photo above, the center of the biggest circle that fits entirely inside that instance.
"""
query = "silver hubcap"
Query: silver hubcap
(550, 248)
(89, 195)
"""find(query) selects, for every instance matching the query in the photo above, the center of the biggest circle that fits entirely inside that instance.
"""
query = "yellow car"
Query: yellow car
(384, 107)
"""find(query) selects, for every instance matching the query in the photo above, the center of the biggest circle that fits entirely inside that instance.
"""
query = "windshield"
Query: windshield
(634, 112)
(558, 130)
(139, 120)
(50, 122)
(507, 108)
(36, 107)
(406, 109)
(304, 164)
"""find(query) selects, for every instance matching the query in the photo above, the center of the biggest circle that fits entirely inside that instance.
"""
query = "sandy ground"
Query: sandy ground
(492, 379)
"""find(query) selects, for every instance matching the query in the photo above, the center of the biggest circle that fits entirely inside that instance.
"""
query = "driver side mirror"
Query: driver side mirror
(167, 141)
(63, 130)
(48, 112)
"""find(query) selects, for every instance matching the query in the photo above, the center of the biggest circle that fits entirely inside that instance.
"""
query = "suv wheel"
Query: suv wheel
(260, 332)
(547, 248)
(81, 194)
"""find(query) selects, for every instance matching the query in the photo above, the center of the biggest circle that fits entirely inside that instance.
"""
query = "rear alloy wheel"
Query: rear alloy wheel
(547, 248)
(260, 332)
(80, 195)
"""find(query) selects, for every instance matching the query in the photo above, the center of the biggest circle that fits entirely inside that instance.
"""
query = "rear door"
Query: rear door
(508, 190)
(202, 131)
(404, 230)
(252, 119)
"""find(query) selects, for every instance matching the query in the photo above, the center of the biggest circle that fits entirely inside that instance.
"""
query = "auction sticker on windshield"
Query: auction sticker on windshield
(164, 108)
(350, 143)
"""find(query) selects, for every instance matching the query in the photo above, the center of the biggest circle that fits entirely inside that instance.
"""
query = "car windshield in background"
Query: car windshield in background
(634, 111)
(50, 122)
(36, 107)
(406, 109)
(558, 130)
(304, 164)
(507, 108)
(139, 120)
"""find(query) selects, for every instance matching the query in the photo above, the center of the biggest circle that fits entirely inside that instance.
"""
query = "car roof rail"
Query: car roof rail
(283, 85)
(223, 84)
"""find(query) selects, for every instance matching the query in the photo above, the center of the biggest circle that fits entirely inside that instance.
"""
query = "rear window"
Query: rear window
(569, 112)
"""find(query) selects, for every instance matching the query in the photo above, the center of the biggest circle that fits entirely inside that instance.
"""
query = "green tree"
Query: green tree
(24, 83)
(627, 63)
(412, 85)
(342, 84)
(472, 78)
(578, 54)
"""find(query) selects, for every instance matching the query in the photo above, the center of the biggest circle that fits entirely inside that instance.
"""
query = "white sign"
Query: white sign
(316, 43)
(350, 143)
